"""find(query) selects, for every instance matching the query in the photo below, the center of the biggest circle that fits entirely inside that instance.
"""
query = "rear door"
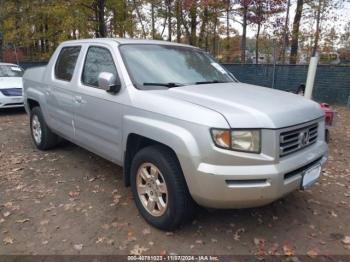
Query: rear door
(60, 102)
(98, 113)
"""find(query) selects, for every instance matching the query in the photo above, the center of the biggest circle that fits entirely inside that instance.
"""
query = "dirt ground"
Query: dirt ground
(69, 201)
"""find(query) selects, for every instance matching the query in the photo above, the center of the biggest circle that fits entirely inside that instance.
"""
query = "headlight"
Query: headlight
(239, 140)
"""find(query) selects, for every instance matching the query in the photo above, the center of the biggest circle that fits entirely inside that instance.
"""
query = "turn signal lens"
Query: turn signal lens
(222, 138)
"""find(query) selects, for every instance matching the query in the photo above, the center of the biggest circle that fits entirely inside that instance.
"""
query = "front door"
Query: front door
(98, 114)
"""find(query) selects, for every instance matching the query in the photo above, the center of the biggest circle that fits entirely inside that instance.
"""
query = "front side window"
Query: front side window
(169, 65)
(66, 62)
(10, 71)
(98, 60)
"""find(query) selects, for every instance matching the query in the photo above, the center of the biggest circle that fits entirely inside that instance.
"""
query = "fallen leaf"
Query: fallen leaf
(8, 240)
(146, 231)
(44, 222)
(237, 234)
(99, 240)
(333, 214)
(73, 194)
(346, 240)
(288, 251)
(21, 221)
(199, 242)
(110, 242)
(7, 214)
(78, 247)
(312, 253)
(17, 169)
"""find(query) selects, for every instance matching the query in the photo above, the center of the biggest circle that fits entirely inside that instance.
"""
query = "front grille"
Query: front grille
(11, 91)
(294, 140)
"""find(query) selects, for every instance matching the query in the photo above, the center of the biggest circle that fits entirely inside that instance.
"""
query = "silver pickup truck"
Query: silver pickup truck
(184, 130)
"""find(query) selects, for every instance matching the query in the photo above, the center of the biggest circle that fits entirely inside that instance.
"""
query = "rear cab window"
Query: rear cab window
(66, 62)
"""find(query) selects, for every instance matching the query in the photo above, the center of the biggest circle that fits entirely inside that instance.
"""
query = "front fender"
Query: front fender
(176, 137)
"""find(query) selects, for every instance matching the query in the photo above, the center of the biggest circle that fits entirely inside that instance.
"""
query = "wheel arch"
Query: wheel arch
(136, 142)
(32, 103)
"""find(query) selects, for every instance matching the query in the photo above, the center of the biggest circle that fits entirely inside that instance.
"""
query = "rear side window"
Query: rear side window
(66, 61)
(98, 60)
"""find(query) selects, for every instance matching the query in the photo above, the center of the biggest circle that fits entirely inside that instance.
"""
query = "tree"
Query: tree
(260, 12)
(295, 32)
(244, 6)
(285, 34)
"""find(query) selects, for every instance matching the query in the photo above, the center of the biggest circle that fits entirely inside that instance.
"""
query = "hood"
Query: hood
(11, 82)
(249, 106)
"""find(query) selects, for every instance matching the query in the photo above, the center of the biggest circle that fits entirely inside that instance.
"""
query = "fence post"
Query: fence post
(311, 73)
(274, 64)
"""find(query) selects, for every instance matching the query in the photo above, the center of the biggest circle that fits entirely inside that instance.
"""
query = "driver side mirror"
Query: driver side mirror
(107, 81)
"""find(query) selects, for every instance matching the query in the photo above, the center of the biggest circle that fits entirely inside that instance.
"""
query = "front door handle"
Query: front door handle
(78, 99)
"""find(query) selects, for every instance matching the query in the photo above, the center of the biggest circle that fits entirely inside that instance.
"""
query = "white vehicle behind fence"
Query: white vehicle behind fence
(11, 86)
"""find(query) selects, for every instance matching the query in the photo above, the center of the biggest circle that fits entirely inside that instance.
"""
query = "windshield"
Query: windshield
(151, 66)
(10, 71)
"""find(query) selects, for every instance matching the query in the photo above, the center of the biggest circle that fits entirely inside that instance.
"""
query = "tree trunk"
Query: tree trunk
(285, 35)
(140, 18)
(228, 5)
(317, 33)
(257, 44)
(214, 52)
(102, 31)
(153, 21)
(193, 15)
(169, 19)
(295, 33)
(178, 21)
(244, 34)
(203, 27)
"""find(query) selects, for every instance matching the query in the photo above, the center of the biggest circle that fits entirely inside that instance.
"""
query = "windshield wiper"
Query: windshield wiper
(163, 84)
(210, 82)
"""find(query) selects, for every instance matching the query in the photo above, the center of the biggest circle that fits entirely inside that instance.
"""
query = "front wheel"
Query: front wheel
(159, 188)
(43, 137)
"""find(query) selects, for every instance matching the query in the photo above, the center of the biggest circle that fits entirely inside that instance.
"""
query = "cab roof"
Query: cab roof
(125, 41)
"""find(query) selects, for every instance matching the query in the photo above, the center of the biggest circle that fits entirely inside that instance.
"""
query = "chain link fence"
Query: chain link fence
(332, 83)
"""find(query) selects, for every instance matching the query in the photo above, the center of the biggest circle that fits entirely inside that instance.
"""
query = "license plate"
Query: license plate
(310, 176)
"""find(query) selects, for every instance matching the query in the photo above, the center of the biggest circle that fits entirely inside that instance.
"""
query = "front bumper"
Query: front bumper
(253, 185)
(10, 101)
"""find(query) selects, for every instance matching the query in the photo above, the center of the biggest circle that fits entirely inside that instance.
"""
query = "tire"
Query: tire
(42, 136)
(179, 206)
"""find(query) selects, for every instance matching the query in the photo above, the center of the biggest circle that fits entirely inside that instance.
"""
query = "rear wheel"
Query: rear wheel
(43, 137)
(159, 188)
